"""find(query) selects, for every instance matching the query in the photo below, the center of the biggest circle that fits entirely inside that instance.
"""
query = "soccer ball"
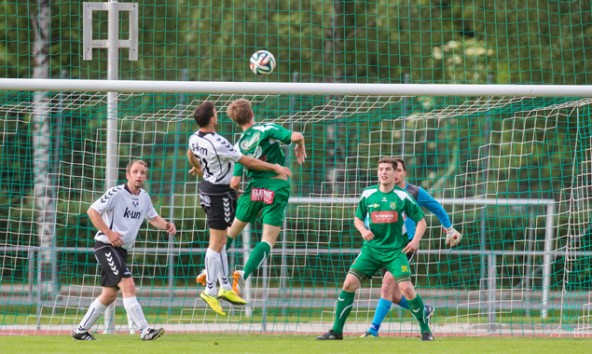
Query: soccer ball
(262, 62)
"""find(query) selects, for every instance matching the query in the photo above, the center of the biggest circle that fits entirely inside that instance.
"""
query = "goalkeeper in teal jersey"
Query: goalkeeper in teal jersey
(267, 193)
(389, 291)
(384, 245)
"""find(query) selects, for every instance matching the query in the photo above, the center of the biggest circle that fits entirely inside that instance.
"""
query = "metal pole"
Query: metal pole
(492, 287)
(547, 259)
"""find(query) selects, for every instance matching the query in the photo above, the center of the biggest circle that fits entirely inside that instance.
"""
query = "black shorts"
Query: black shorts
(113, 264)
(219, 203)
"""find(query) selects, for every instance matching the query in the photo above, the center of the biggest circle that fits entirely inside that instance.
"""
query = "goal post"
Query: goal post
(510, 164)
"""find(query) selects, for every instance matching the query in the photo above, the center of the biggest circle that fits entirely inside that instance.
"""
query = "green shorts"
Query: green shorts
(370, 260)
(266, 196)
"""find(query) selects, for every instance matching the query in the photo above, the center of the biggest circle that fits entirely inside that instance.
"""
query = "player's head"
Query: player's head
(240, 111)
(400, 172)
(386, 170)
(204, 113)
(136, 174)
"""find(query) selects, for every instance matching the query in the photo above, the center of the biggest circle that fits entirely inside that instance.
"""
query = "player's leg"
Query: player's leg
(113, 267)
(399, 267)
(134, 310)
(418, 308)
(273, 205)
(384, 304)
(364, 266)
(343, 308)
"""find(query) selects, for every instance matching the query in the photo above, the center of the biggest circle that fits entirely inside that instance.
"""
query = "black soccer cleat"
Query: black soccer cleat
(427, 336)
(82, 336)
(331, 336)
(429, 312)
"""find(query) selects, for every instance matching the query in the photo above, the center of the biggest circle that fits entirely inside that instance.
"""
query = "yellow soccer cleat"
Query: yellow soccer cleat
(238, 281)
(201, 278)
(231, 296)
(213, 302)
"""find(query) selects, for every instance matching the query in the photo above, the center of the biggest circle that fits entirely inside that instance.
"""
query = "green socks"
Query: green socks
(418, 311)
(257, 256)
(345, 303)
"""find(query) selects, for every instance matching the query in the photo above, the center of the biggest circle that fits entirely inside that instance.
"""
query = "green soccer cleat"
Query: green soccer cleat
(231, 296)
(213, 302)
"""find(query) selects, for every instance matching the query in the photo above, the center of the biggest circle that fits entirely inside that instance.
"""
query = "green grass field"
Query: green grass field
(242, 343)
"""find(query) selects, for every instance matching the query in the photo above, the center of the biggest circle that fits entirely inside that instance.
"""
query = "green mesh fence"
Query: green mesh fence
(513, 173)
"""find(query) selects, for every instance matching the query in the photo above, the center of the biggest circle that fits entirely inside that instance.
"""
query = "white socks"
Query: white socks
(134, 311)
(223, 276)
(213, 270)
(93, 313)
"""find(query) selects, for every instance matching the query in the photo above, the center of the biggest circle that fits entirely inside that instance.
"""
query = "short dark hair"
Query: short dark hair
(402, 162)
(204, 113)
(390, 160)
(393, 161)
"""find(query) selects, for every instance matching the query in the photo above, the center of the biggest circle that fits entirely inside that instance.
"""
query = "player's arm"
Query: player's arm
(424, 199)
(97, 220)
(160, 223)
(359, 224)
(413, 211)
(256, 164)
(361, 227)
(299, 149)
(195, 167)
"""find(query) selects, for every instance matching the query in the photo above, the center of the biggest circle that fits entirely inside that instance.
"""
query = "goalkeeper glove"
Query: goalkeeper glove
(453, 237)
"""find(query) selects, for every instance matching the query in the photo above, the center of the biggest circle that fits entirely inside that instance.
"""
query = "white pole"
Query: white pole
(547, 259)
(297, 88)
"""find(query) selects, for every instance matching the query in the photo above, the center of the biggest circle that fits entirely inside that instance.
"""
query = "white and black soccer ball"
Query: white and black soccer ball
(262, 62)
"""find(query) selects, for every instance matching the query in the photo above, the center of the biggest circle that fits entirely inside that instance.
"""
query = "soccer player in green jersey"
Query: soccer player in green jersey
(266, 193)
(385, 245)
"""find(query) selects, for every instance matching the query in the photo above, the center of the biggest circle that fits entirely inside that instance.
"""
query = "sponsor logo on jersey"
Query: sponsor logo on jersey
(250, 142)
(262, 195)
(375, 205)
(384, 217)
(132, 214)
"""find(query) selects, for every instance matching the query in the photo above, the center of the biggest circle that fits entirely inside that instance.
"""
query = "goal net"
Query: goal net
(513, 173)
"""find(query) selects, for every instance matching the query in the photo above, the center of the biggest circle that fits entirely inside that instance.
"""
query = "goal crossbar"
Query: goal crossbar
(276, 88)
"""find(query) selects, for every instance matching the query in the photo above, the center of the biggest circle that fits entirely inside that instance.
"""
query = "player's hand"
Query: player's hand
(411, 247)
(195, 171)
(453, 237)
(283, 172)
(368, 235)
(171, 228)
(114, 238)
(300, 153)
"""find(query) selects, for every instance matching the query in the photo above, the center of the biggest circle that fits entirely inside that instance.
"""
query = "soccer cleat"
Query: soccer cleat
(213, 302)
(231, 296)
(82, 336)
(369, 334)
(331, 336)
(201, 278)
(238, 281)
(429, 312)
(427, 336)
(152, 333)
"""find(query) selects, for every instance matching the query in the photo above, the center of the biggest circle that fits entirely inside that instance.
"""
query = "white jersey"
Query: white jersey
(124, 213)
(216, 156)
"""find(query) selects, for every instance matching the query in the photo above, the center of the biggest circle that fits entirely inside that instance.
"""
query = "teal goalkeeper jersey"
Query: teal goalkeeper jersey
(262, 141)
(384, 215)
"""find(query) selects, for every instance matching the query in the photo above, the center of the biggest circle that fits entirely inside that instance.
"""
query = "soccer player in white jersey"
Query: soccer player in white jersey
(213, 158)
(118, 215)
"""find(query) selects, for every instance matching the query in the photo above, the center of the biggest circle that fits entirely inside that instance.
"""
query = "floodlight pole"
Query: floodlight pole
(113, 44)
